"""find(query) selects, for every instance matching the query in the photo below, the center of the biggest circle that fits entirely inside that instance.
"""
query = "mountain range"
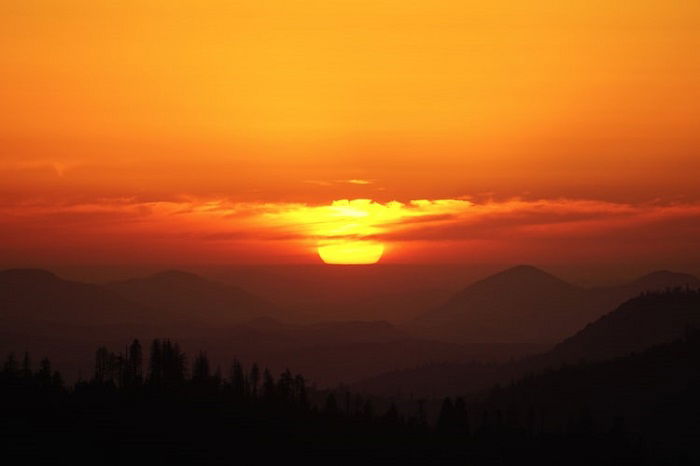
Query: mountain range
(49, 315)
(35, 297)
(187, 297)
(535, 310)
(526, 304)
(653, 318)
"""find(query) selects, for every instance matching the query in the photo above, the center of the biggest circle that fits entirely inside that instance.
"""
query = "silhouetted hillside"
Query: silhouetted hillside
(328, 332)
(188, 297)
(653, 393)
(392, 292)
(661, 280)
(525, 304)
(521, 304)
(642, 322)
(205, 314)
(651, 319)
(328, 352)
(29, 296)
(612, 296)
(164, 299)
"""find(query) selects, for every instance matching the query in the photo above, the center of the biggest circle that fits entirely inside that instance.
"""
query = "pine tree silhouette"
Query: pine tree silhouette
(330, 408)
(44, 375)
(11, 367)
(134, 365)
(200, 368)
(238, 380)
(26, 367)
(254, 379)
(155, 364)
(446, 421)
(268, 386)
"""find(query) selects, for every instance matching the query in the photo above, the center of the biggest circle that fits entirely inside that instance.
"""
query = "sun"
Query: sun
(351, 252)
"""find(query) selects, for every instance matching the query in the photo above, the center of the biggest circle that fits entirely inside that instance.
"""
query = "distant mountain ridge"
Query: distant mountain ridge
(38, 307)
(47, 314)
(653, 318)
(187, 296)
(664, 279)
(528, 305)
(165, 299)
(653, 392)
(636, 325)
(34, 296)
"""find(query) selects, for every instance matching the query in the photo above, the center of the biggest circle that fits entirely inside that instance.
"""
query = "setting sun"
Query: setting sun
(351, 252)
(463, 224)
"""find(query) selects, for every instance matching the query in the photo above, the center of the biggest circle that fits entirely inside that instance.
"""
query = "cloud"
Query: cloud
(563, 225)
(359, 181)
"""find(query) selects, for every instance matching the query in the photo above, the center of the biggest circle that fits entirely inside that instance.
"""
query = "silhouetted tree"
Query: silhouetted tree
(268, 386)
(155, 363)
(300, 391)
(44, 375)
(446, 422)
(238, 381)
(174, 363)
(217, 376)
(285, 386)
(200, 368)
(368, 410)
(357, 407)
(460, 418)
(134, 365)
(421, 416)
(254, 379)
(618, 431)
(11, 366)
(391, 416)
(330, 408)
(166, 364)
(102, 365)
(57, 380)
(26, 367)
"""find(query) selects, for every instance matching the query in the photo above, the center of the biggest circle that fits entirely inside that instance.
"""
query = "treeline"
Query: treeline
(15, 372)
(162, 407)
(167, 371)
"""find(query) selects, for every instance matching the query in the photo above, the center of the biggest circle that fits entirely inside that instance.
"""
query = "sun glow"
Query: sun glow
(343, 227)
(347, 231)
(351, 252)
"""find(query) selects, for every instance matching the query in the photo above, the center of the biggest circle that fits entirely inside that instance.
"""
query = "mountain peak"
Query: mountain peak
(524, 269)
(519, 304)
(523, 274)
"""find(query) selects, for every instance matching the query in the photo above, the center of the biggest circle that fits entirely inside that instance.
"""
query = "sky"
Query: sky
(261, 131)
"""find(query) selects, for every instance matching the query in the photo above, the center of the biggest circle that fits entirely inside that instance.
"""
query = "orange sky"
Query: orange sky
(132, 130)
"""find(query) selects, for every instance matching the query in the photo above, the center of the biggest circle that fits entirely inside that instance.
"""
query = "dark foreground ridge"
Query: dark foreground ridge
(167, 414)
